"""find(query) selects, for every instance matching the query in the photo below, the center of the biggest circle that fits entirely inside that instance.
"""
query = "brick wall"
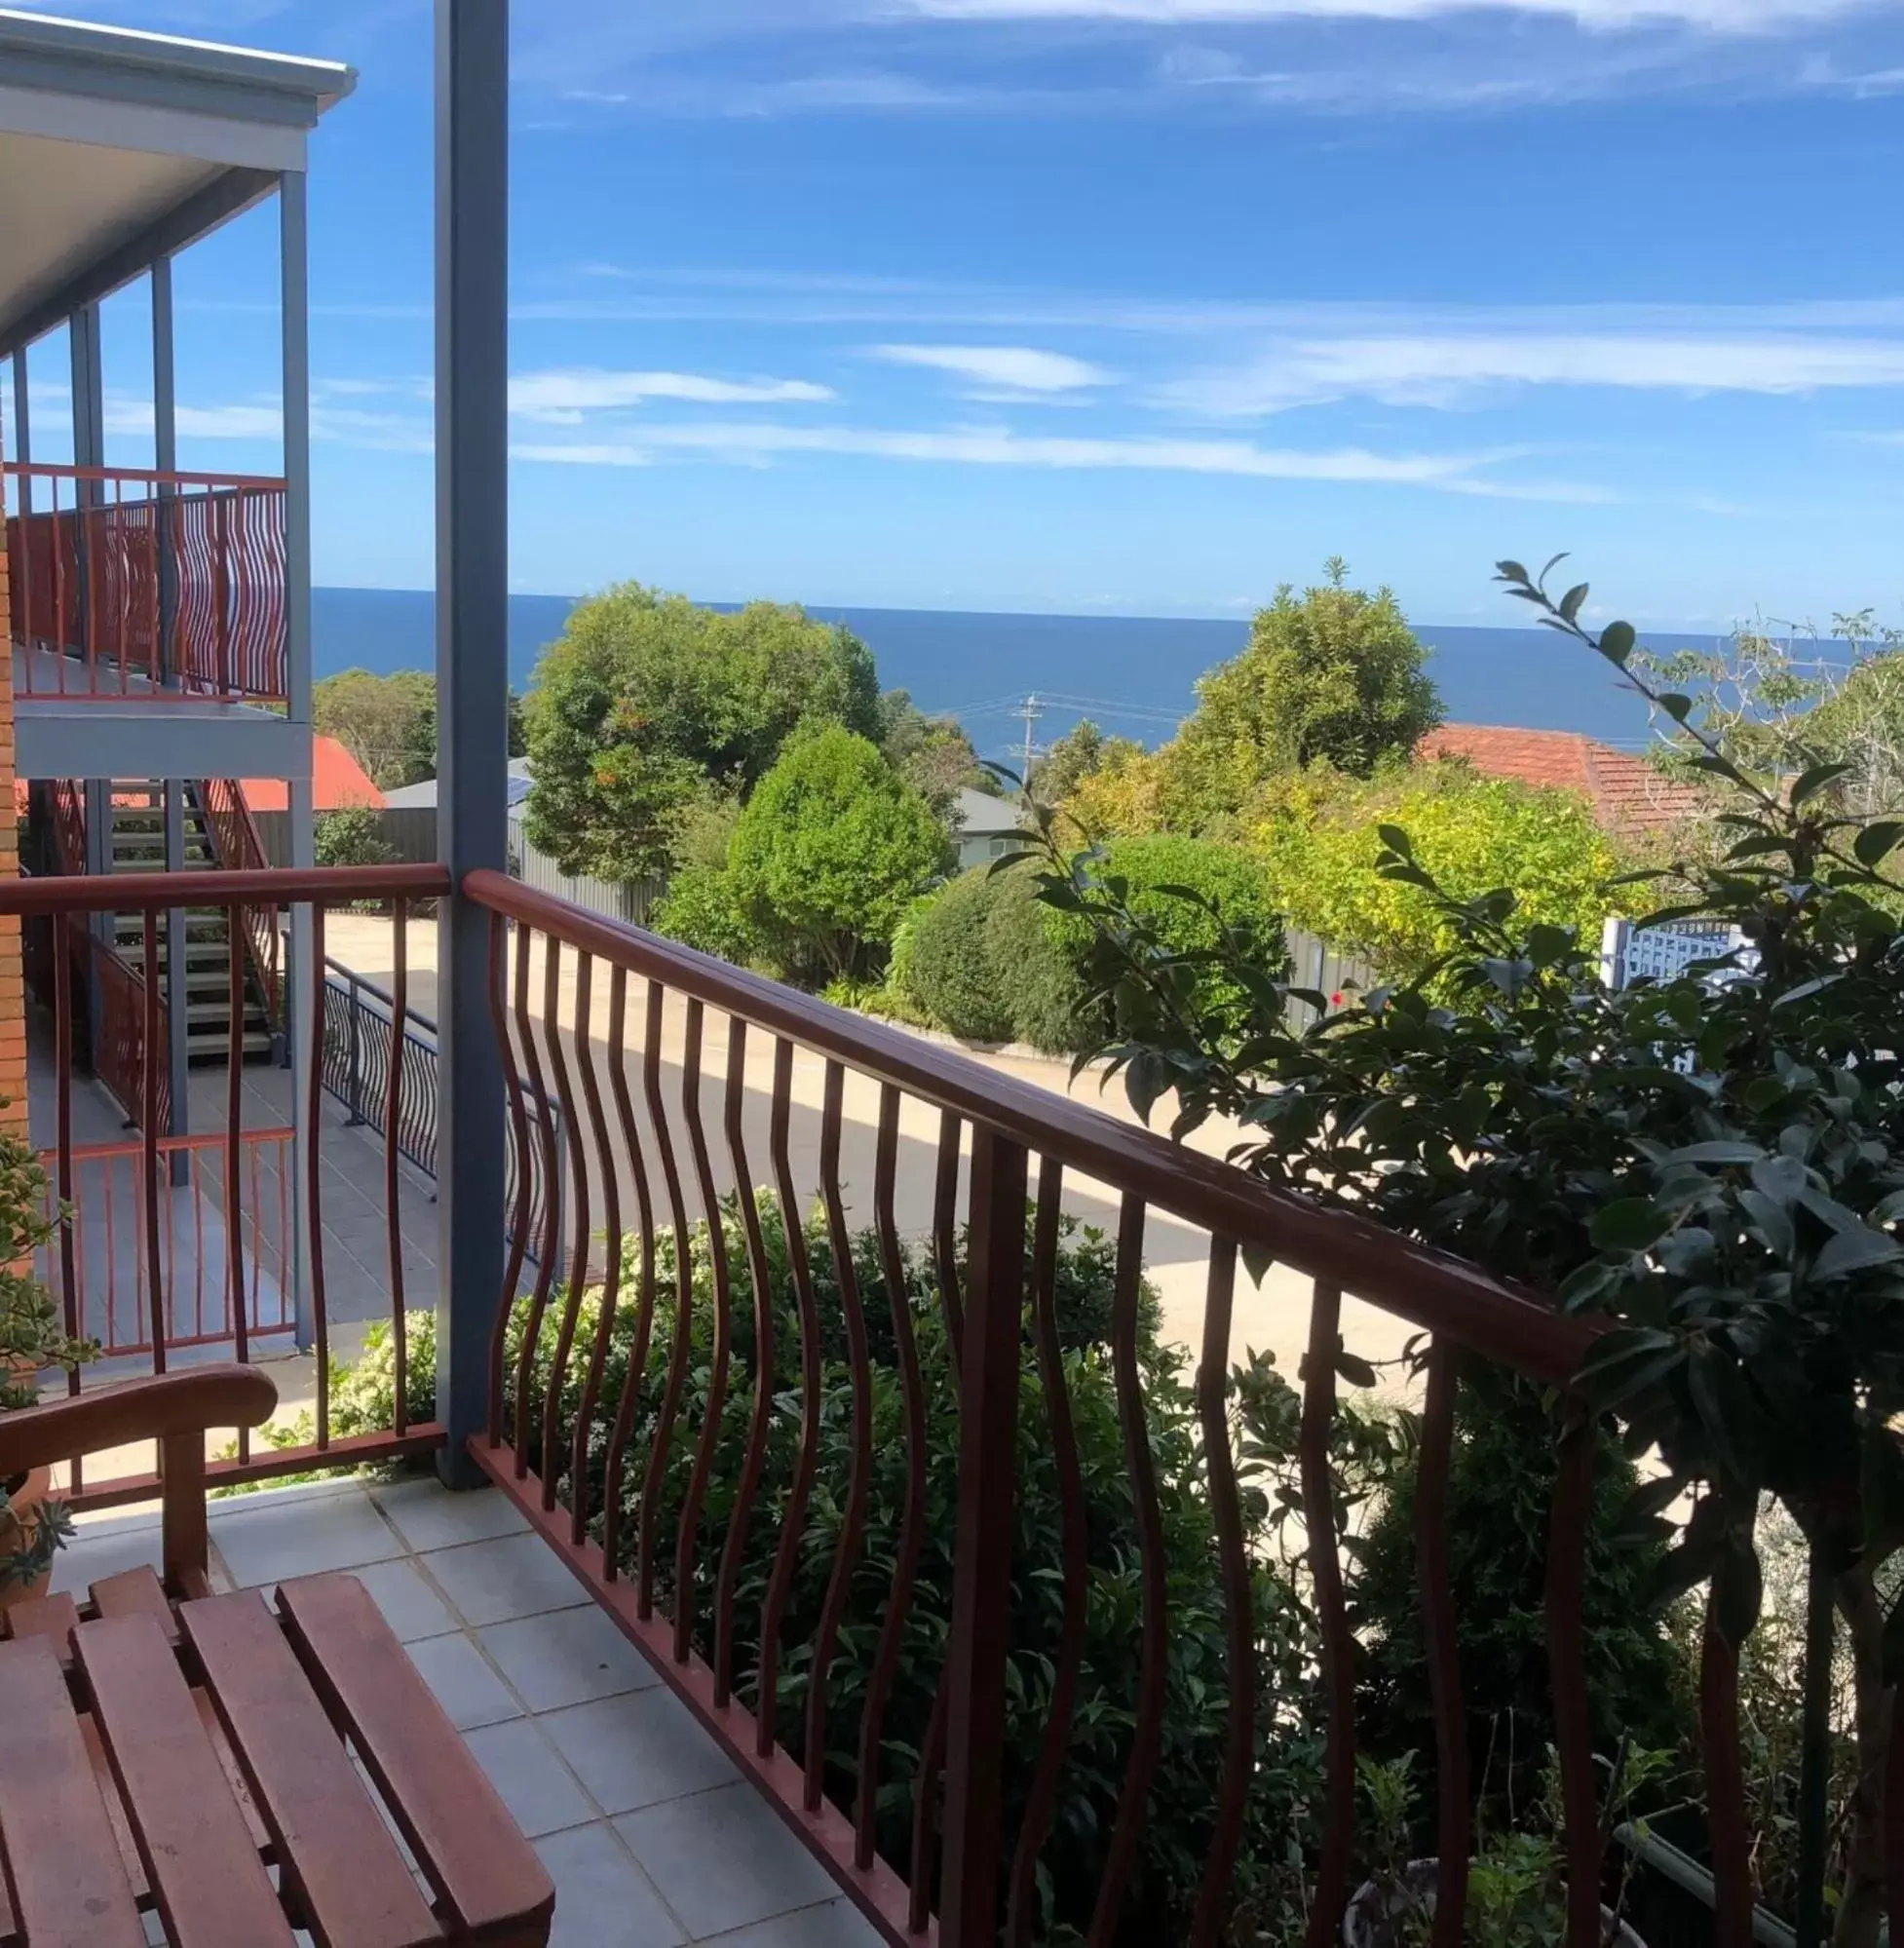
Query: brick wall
(13, 982)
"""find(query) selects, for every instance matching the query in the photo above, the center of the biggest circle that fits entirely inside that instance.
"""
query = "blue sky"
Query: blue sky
(1139, 306)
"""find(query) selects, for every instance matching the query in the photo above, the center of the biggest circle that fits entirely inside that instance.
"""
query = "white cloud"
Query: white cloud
(263, 421)
(1717, 15)
(1001, 370)
(1442, 369)
(562, 398)
(757, 444)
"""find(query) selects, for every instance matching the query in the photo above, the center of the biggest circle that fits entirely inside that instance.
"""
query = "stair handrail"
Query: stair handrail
(237, 847)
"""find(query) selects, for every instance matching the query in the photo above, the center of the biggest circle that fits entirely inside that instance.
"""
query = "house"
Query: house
(987, 826)
(423, 797)
(1628, 793)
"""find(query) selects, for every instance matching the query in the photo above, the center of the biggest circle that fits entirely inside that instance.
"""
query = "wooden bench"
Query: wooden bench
(242, 1769)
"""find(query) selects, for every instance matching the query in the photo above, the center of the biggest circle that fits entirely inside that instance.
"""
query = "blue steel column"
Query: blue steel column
(471, 684)
(165, 458)
(89, 450)
(301, 984)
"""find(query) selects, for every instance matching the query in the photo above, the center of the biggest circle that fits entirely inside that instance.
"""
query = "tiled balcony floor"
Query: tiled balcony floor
(652, 1839)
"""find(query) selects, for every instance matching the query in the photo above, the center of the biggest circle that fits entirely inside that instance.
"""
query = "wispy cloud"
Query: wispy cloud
(1425, 369)
(1718, 16)
(759, 443)
(564, 396)
(1005, 374)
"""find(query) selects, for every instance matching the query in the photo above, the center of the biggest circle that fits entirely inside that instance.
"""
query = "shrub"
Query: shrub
(985, 963)
(700, 910)
(352, 835)
(950, 966)
(1501, 1485)
(1286, 1775)
(831, 850)
(1319, 838)
(1226, 888)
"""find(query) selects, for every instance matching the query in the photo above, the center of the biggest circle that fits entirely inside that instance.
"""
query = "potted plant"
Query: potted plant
(1516, 1880)
(34, 1524)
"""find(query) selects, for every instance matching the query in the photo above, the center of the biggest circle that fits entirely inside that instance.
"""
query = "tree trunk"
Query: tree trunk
(1862, 1906)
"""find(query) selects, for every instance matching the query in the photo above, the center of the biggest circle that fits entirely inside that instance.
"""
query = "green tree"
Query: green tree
(834, 846)
(645, 697)
(1082, 752)
(932, 755)
(387, 723)
(1335, 677)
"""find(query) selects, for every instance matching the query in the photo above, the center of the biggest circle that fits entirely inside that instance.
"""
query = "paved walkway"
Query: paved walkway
(651, 1837)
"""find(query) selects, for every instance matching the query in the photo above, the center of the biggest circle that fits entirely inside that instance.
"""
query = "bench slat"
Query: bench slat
(135, 1592)
(54, 1618)
(484, 1874)
(331, 1840)
(206, 1877)
(63, 1869)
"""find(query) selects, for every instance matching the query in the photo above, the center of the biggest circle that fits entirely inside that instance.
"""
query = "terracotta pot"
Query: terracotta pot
(23, 1500)
(1366, 1924)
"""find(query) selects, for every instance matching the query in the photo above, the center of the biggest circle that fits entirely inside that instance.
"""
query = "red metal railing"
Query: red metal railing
(735, 1399)
(234, 835)
(196, 1304)
(129, 583)
(150, 1267)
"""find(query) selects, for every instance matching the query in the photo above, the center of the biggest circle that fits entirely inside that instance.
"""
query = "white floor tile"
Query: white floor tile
(429, 1516)
(566, 1657)
(538, 1790)
(514, 1576)
(602, 1898)
(288, 1539)
(722, 1860)
(638, 1751)
(463, 1683)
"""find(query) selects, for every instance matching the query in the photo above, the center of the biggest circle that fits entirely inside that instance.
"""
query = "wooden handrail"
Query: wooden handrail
(138, 893)
(160, 1408)
(35, 470)
(1432, 1290)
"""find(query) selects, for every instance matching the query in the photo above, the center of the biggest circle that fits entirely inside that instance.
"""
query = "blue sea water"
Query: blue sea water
(1133, 675)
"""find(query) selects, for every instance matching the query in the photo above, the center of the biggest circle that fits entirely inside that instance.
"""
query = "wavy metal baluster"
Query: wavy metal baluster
(793, 1517)
(1573, 1725)
(1213, 1918)
(1727, 1821)
(644, 1303)
(525, 1188)
(762, 1419)
(1442, 1643)
(611, 1285)
(551, 1200)
(578, 1233)
(1040, 1803)
(926, 1808)
(235, 1159)
(945, 1231)
(1338, 1646)
(62, 1042)
(711, 1425)
(847, 1554)
(677, 1359)
(912, 1528)
(1147, 1737)
(400, 987)
(314, 1176)
(149, 1117)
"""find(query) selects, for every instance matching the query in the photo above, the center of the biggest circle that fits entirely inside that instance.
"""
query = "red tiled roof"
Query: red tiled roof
(337, 780)
(1627, 792)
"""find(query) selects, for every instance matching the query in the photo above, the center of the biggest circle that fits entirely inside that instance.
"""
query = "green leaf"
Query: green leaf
(1726, 1411)
(1856, 1251)
(1396, 840)
(1630, 1225)
(1573, 601)
(1773, 1222)
(1586, 1284)
(1780, 1179)
(1815, 780)
(1617, 642)
(1676, 706)
(1354, 1369)
(1876, 843)
(1627, 1361)
(1509, 571)
(1720, 1151)
(1737, 1591)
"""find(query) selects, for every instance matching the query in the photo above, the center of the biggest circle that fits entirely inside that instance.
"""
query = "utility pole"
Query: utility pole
(1032, 710)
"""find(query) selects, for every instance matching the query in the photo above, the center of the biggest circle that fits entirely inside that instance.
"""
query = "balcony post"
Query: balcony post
(981, 1577)
(165, 459)
(472, 686)
(300, 986)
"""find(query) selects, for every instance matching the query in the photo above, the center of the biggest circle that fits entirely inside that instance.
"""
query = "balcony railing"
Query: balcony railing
(794, 1465)
(129, 584)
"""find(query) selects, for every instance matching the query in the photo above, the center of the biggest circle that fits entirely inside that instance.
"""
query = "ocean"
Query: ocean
(1133, 675)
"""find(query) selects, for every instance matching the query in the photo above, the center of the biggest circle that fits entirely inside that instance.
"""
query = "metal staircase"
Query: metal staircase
(138, 845)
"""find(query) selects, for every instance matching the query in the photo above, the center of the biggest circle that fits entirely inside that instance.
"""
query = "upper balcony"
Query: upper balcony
(150, 608)
(135, 585)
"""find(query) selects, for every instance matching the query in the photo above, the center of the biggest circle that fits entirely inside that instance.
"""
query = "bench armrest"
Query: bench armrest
(174, 1410)
(165, 1406)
